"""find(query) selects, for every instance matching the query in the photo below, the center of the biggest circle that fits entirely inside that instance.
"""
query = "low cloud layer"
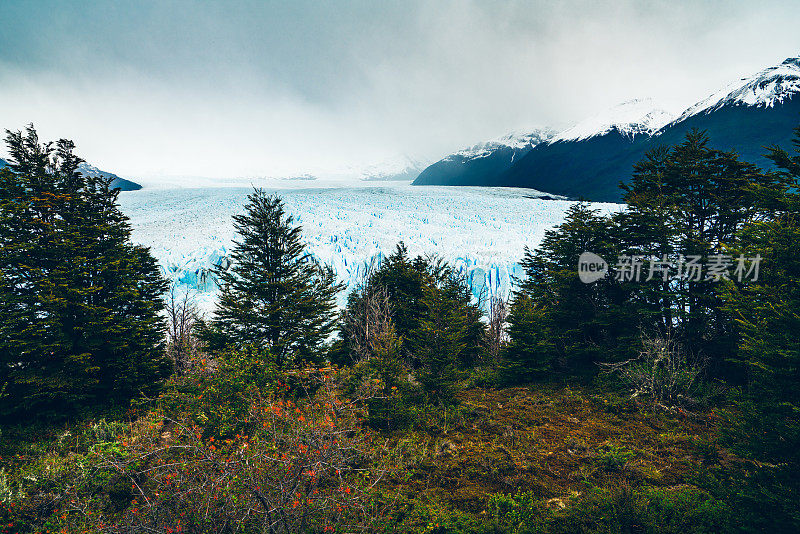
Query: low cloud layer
(252, 88)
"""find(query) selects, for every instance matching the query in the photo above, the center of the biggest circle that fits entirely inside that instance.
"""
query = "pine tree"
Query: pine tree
(436, 328)
(448, 337)
(79, 304)
(691, 200)
(275, 295)
(404, 279)
(532, 351)
(557, 322)
(766, 425)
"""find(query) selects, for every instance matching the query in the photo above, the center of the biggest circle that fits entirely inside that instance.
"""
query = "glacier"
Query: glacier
(482, 232)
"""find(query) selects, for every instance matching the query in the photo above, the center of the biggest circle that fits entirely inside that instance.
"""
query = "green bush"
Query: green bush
(613, 457)
(622, 509)
(430, 516)
(517, 513)
(218, 391)
(224, 400)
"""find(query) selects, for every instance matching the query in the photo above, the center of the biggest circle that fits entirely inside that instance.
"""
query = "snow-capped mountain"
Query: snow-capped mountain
(488, 162)
(590, 159)
(518, 140)
(480, 164)
(399, 168)
(584, 160)
(629, 119)
(770, 87)
(116, 182)
(90, 170)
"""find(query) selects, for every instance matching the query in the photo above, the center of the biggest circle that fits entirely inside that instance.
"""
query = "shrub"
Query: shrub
(613, 457)
(515, 513)
(217, 391)
(686, 510)
(661, 373)
(301, 466)
(298, 466)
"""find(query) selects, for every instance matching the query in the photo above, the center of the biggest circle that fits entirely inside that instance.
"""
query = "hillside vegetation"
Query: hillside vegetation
(659, 397)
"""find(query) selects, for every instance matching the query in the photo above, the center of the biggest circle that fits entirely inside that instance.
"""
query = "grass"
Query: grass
(552, 443)
(500, 460)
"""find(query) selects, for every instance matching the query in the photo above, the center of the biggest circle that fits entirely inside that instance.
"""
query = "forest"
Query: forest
(665, 402)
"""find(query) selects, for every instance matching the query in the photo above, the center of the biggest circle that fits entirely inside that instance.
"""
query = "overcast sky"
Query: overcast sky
(267, 88)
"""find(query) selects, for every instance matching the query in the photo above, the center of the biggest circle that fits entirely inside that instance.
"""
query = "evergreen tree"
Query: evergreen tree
(689, 200)
(429, 311)
(404, 279)
(766, 425)
(79, 304)
(684, 202)
(448, 337)
(275, 295)
(532, 351)
(558, 322)
(369, 346)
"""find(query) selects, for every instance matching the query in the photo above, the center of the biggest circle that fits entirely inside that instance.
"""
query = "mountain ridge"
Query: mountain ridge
(483, 161)
(591, 158)
(90, 170)
(629, 119)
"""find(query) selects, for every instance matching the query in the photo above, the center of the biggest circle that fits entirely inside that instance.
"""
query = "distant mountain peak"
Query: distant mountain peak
(484, 161)
(399, 167)
(771, 86)
(518, 139)
(590, 159)
(90, 170)
(792, 61)
(114, 181)
(631, 118)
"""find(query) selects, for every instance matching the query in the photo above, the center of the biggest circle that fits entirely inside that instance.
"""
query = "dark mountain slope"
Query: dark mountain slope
(462, 170)
(483, 163)
(116, 182)
(593, 168)
(590, 159)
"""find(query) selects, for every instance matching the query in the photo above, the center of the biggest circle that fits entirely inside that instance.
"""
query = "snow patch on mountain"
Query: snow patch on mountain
(631, 118)
(769, 87)
(90, 170)
(518, 140)
(401, 167)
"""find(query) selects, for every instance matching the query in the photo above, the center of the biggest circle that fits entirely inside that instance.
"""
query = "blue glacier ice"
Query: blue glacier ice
(482, 232)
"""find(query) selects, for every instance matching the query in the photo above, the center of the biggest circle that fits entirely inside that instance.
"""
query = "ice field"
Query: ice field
(481, 231)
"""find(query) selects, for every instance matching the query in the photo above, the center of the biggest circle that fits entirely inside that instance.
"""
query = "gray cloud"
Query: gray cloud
(243, 88)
